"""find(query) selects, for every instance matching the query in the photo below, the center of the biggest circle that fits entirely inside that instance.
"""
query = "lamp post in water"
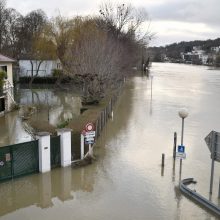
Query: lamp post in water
(183, 113)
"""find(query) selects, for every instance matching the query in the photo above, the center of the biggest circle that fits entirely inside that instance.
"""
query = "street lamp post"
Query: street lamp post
(183, 113)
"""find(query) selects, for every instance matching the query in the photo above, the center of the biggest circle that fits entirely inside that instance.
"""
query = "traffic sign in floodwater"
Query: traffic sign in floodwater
(90, 142)
(181, 149)
(90, 133)
(181, 155)
(213, 142)
(181, 152)
(89, 138)
(90, 127)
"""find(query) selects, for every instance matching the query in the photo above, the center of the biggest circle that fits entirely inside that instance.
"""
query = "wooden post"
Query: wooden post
(174, 145)
(103, 119)
(100, 124)
(219, 189)
(106, 115)
(163, 159)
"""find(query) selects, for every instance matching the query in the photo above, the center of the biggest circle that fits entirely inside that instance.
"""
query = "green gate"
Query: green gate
(55, 156)
(25, 158)
(19, 159)
(5, 163)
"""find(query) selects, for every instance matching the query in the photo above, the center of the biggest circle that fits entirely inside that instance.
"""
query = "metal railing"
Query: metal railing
(197, 197)
(8, 88)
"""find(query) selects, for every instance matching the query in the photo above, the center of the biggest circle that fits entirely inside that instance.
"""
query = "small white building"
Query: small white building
(7, 92)
(45, 67)
(215, 49)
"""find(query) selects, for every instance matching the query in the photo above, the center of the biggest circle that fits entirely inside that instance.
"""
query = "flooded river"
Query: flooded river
(126, 181)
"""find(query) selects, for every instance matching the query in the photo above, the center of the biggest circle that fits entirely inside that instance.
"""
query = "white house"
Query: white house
(215, 49)
(45, 67)
(7, 92)
(195, 54)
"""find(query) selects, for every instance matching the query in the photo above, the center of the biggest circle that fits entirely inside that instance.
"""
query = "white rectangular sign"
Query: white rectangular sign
(181, 155)
(90, 139)
(90, 133)
(89, 136)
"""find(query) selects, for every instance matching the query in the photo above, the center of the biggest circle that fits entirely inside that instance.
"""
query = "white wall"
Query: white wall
(46, 67)
(9, 71)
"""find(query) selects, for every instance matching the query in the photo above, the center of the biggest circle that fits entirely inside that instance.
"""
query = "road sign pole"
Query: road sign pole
(182, 131)
(90, 149)
(181, 145)
(82, 146)
(213, 144)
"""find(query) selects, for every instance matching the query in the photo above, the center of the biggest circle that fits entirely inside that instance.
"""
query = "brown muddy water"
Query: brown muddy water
(51, 106)
(126, 181)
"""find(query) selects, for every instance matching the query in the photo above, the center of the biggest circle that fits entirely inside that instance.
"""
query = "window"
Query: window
(4, 68)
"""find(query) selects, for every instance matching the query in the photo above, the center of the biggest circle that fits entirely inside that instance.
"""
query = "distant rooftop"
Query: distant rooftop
(6, 59)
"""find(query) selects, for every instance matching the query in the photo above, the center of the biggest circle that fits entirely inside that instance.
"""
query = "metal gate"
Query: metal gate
(25, 158)
(19, 159)
(5, 163)
(55, 156)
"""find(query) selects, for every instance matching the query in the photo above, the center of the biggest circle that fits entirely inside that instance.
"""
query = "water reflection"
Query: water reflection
(42, 189)
(52, 106)
(11, 129)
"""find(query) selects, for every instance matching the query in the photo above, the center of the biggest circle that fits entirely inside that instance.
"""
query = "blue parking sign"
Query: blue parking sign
(181, 149)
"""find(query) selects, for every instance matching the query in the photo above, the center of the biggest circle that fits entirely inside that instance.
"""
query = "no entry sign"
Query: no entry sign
(89, 127)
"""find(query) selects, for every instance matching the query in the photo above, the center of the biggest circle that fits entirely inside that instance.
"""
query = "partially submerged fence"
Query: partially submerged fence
(106, 113)
(36, 156)
(19, 159)
(46, 152)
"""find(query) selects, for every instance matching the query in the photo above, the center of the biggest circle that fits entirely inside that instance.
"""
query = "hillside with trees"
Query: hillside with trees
(174, 50)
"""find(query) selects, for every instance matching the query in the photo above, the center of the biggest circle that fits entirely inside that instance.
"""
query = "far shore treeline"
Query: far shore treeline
(100, 50)
(209, 49)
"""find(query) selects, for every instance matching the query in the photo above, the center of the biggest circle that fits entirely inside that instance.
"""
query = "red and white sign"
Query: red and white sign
(89, 127)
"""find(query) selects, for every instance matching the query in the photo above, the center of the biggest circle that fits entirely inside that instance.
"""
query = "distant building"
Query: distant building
(196, 56)
(215, 49)
(45, 67)
(7, 93)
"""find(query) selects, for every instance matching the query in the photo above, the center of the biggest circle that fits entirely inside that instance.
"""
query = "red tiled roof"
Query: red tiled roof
(6, 59)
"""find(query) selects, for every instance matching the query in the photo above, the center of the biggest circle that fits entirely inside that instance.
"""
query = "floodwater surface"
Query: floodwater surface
(126, 182)
(50, 107)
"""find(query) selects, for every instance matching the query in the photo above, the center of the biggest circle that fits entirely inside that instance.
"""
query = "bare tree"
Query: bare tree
(93, 57)
(3, 18)
(131, 27)
(12, 34)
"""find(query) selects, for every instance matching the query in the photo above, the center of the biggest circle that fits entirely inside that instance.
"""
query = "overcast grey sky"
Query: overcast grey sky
(171, 20)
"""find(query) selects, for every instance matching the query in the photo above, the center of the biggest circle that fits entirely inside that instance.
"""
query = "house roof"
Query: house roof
(6, 59)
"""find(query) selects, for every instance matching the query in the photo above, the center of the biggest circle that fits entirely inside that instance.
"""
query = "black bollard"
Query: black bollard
(163, 159)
